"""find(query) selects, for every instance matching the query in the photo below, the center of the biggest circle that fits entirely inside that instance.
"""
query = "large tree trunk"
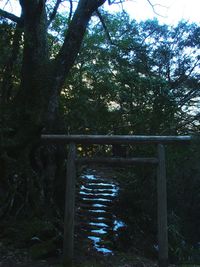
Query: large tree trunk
(42, 79)
(35, 106)
(33, 95)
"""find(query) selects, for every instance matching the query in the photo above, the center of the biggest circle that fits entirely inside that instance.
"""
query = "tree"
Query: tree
(136, 75)
(42, 78)
(29, 98)
(129, 78)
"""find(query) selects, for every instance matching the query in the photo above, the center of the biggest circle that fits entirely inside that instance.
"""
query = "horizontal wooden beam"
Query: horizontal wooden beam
(115, 139)
(118, 161)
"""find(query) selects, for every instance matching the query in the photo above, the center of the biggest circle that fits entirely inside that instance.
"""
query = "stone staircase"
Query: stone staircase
(98, 223)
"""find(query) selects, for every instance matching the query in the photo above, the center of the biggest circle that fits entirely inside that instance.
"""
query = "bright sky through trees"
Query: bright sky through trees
(166, 11)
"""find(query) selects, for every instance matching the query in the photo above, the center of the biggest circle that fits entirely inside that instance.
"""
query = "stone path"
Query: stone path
(95, 212)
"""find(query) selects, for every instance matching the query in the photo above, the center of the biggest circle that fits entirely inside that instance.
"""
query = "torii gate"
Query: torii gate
(159, 161)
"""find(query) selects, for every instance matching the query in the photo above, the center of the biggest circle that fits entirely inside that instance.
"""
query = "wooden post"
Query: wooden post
(68, 245)
(162, 208)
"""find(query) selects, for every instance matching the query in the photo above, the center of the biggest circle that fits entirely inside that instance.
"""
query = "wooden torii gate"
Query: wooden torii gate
(159, 161)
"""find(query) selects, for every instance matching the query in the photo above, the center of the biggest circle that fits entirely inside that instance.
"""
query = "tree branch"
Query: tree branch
(9, 16)
(153, 6)
(104, 26)
(74, 36)
(183, 77)
(54, 12)
(70, 48)
(70, 11)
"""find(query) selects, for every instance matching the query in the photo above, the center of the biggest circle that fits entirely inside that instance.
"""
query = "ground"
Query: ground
(12, 257)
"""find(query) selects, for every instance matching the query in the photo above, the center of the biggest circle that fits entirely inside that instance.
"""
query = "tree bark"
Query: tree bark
(69, 50)
(35, 106)
(42, 79)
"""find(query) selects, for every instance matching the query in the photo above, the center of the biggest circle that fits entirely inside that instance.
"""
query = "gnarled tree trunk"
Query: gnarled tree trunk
(35, 105)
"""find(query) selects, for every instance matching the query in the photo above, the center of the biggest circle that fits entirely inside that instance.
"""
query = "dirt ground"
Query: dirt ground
(22, 259)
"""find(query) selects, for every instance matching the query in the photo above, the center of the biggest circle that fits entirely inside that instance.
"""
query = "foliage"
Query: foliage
(128, 78)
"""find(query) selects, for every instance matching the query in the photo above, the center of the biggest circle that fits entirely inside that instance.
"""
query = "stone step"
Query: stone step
(97, 196)
(94, 206)
(96, 180)
(96, 225)
(91, 177)
(102, 219)
(91, 201)
(95, 213)
(102, 233)
(99, 186)
(98, 190)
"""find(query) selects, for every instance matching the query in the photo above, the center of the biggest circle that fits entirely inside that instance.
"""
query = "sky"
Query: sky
(166, 11)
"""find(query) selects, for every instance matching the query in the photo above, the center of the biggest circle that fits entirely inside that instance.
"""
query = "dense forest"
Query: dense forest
(92, 72)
